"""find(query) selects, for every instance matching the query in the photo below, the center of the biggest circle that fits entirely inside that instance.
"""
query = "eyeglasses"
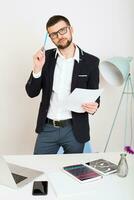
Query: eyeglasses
(62, 31)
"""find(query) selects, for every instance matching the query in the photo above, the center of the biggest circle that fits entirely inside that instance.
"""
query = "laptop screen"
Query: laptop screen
(18, 178)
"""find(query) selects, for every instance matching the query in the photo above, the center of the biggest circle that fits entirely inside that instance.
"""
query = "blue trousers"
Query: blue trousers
(52, 138)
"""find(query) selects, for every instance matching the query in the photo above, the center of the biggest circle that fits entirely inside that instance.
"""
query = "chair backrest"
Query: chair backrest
(87, 148)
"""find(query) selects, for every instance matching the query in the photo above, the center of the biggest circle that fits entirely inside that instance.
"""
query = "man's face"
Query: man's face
(60, 34)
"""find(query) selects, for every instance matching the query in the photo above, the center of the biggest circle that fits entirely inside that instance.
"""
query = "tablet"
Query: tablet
(82, 173)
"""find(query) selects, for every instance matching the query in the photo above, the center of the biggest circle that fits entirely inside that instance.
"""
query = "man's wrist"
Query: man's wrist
(36, 75)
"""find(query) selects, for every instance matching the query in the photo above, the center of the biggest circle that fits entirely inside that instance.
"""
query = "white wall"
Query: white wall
(102, 27)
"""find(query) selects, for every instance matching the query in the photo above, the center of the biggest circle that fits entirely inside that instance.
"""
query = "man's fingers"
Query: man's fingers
(39, 54)
(90, 107)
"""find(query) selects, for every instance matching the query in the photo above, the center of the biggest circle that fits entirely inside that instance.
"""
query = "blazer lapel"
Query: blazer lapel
(75, 75)
(52, 68)
(76, 70)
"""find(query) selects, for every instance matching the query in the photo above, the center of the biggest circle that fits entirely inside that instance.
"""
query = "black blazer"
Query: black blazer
(88, 65)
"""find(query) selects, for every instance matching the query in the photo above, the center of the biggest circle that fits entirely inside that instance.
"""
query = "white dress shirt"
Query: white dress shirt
(61, 86)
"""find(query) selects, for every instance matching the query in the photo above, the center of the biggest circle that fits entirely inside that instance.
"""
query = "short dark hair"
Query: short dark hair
(55, 19)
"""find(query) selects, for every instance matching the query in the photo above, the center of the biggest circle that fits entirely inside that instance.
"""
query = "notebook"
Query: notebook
(15, 176)
(102, 166)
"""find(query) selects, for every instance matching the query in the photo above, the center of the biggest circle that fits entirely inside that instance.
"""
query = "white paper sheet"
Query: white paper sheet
(80, 96)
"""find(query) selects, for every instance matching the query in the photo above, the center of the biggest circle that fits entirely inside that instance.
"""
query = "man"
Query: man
(57, 72)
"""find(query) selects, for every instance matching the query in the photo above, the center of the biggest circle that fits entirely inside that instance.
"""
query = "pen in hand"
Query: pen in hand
(43, 48)
(39, 58)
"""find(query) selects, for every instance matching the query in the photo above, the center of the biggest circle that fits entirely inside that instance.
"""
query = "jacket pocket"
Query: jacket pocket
(82, 81)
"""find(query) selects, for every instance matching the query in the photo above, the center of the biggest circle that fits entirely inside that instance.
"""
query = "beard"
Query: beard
(65, 45)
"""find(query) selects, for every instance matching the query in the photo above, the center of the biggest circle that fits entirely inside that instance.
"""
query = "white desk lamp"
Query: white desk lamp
(116, 71)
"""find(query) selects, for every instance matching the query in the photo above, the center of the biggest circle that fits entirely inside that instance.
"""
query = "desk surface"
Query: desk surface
(110, 187)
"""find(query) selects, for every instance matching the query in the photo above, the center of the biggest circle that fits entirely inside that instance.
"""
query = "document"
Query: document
(80, 96)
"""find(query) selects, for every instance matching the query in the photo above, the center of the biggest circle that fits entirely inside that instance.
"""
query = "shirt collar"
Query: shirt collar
(75, 57)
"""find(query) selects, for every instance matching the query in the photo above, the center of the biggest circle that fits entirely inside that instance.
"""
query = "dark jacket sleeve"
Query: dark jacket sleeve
(33, 86)
(93, 81)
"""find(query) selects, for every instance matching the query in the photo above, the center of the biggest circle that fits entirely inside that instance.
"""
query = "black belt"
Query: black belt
(61, 123)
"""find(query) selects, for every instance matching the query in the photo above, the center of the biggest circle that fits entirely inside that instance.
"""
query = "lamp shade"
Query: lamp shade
(115, 70)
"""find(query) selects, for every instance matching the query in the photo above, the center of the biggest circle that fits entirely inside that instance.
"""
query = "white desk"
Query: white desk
(111, 187)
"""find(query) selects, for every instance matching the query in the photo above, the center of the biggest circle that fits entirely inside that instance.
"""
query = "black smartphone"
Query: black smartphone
(40, 188)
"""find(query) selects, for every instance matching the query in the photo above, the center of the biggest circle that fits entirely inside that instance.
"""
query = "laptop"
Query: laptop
(15, 176)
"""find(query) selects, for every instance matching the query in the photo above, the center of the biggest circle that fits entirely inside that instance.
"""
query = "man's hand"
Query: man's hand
(39, 60)
(90, 107)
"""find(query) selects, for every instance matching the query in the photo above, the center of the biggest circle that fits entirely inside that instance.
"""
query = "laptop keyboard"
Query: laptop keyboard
(18, 178)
